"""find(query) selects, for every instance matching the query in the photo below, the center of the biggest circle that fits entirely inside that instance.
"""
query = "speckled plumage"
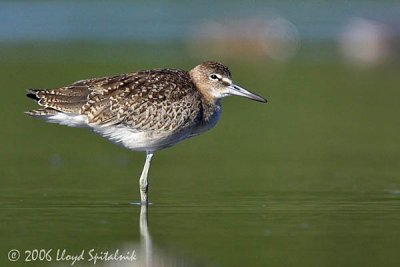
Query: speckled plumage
(153, 101)
(146, 110)
(147, 100)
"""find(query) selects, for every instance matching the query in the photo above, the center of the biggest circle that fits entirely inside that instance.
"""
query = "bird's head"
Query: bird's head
(214, 81)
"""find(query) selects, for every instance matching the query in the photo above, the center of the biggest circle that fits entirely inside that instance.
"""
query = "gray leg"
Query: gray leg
(144, 185)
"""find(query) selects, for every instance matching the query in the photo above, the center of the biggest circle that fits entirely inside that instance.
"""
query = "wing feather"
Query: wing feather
(153, 100)
(144, 101)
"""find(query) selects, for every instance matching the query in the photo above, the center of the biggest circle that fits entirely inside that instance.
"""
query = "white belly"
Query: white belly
(140, 141)
(133, 139)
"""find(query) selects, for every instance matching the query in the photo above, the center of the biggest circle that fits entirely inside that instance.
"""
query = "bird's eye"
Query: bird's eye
(214, 77)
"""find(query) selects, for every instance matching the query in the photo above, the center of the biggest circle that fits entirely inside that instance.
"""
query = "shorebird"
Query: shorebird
(145, 110)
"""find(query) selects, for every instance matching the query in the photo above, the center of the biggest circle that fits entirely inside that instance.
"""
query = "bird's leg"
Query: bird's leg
(144, 185)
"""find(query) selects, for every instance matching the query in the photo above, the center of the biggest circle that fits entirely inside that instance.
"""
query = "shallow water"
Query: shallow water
(277, 229)
(310, 179)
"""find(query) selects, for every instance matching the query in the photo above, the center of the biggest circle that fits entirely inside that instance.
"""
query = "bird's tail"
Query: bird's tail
(64, 100)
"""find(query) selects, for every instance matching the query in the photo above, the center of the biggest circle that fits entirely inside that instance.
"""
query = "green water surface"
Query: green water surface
(310, 179)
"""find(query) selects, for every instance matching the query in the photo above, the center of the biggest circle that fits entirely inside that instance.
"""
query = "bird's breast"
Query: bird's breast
(208, 122)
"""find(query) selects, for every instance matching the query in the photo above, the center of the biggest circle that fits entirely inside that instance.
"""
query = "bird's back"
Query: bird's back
(154, 100)
(146, 110)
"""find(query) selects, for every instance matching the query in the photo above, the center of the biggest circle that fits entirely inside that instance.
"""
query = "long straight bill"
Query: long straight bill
(237, 90)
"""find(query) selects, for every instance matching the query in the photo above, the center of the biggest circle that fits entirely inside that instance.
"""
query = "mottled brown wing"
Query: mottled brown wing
(68, 99)
(162, 100)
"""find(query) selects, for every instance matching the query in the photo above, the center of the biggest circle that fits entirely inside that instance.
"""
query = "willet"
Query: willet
(143, 111)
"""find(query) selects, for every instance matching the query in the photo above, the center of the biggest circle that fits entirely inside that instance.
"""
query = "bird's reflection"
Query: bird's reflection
(146, 242)
(154, 256)
(145, 254)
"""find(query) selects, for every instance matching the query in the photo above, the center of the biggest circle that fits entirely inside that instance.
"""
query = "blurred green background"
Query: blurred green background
(310, 179)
